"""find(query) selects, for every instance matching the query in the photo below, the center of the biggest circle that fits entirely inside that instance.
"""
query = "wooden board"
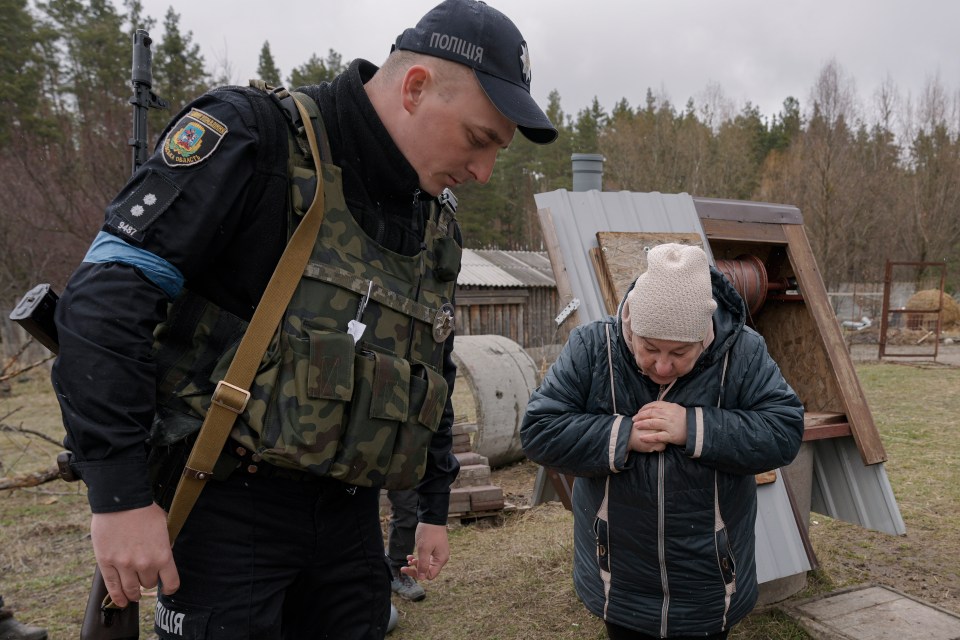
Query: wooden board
(748, 231)
(766, 477)
(560, 275)
(795, 344)
(625, 255)
(843, 373)
(819, 425)
(607, 291)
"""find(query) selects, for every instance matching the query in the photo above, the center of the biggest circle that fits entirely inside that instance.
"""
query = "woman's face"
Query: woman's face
(663, 361)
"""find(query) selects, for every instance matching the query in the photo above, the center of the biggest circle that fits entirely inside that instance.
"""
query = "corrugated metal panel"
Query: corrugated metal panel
(475, 270)
(532, 268)
(845, 488)
(579, 215)
(780, 551)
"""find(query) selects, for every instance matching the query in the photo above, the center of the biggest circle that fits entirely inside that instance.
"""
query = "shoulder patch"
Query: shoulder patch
(193, 139)
(152, 197)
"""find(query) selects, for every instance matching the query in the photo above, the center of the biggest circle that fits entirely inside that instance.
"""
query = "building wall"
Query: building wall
(522, 315)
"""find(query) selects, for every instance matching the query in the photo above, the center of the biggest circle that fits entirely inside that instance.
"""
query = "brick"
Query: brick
(459, 500)
(464, 428)
(485, 498)
(461, 443)
(470, 457)
(489, 505)
(473, 475)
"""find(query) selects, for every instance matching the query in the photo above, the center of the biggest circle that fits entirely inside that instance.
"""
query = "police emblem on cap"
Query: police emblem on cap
(525, 62)
(193, 139)
(444, 322)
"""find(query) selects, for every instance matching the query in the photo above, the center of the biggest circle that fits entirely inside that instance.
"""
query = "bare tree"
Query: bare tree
(934, 180)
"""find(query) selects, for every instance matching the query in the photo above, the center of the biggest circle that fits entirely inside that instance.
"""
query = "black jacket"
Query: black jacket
(220, 225)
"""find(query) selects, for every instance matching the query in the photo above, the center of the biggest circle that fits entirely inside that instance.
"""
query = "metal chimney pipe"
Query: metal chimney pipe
(587, 171)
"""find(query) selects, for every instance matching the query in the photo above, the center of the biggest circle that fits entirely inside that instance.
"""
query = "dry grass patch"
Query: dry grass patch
(510, 578)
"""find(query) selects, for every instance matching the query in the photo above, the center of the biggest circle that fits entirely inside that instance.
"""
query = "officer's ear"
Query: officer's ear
(413, 86)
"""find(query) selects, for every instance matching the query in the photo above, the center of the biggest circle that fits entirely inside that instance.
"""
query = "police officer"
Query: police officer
(282, 546)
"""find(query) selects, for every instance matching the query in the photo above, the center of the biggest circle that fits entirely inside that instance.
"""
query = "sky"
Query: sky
(757, 51)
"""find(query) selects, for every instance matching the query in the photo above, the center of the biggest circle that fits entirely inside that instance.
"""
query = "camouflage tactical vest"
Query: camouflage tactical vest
(351, 386)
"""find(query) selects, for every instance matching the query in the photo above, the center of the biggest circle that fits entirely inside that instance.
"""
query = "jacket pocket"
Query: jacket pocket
(726, 563)
(304, 408)
(428, 396)
(380, 403)
(601, 529)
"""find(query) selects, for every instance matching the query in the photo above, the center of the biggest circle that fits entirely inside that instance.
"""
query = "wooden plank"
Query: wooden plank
(607, 292)
(625, 254)
(563, 485)
(560, 275)
(507, 297)
(767, 477)
(805, 269)
(744, 231)
(819, 425)
(818, 418)
(747, 211)
(824, 431)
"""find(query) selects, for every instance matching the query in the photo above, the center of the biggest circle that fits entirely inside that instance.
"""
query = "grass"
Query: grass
(510, 578)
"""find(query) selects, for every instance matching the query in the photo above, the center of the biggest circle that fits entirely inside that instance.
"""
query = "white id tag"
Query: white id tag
(356, 329)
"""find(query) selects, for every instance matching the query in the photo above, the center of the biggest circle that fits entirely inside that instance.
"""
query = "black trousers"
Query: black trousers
(615, 632)
(401, 533)
(273, 558)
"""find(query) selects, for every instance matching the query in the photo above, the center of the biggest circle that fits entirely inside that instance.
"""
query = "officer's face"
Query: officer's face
(457, 133)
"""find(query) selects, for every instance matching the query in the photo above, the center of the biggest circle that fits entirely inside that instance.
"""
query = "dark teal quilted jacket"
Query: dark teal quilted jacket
(664, 542)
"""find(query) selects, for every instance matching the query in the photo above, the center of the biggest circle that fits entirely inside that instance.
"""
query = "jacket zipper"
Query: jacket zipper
(661, 532)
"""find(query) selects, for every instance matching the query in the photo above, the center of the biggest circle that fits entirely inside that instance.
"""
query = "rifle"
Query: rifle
(102, 619)
(34, 312)
(143, 98)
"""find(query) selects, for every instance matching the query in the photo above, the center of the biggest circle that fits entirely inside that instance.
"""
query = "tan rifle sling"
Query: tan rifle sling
(231, 394)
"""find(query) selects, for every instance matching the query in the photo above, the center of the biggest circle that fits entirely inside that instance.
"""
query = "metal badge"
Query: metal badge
(444, 322)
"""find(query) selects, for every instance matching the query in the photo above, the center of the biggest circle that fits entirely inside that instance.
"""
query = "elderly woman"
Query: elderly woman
(665, 413)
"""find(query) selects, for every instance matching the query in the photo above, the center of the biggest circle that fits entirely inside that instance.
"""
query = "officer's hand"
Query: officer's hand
(432, 552)
(133, 549)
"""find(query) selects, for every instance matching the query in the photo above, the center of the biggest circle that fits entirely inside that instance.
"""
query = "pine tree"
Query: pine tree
(178, 72)
(21, 74)
(267, 69)
(315, 70)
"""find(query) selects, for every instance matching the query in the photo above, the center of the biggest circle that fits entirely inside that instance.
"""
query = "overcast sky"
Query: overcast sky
(759, 51)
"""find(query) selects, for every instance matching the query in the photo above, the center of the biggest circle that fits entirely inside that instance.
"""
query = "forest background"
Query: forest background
(874, 184)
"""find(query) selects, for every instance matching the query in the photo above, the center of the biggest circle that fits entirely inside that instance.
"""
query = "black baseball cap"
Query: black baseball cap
(477, 35)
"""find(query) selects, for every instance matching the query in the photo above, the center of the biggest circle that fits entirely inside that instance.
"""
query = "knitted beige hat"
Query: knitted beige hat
(673, 300)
